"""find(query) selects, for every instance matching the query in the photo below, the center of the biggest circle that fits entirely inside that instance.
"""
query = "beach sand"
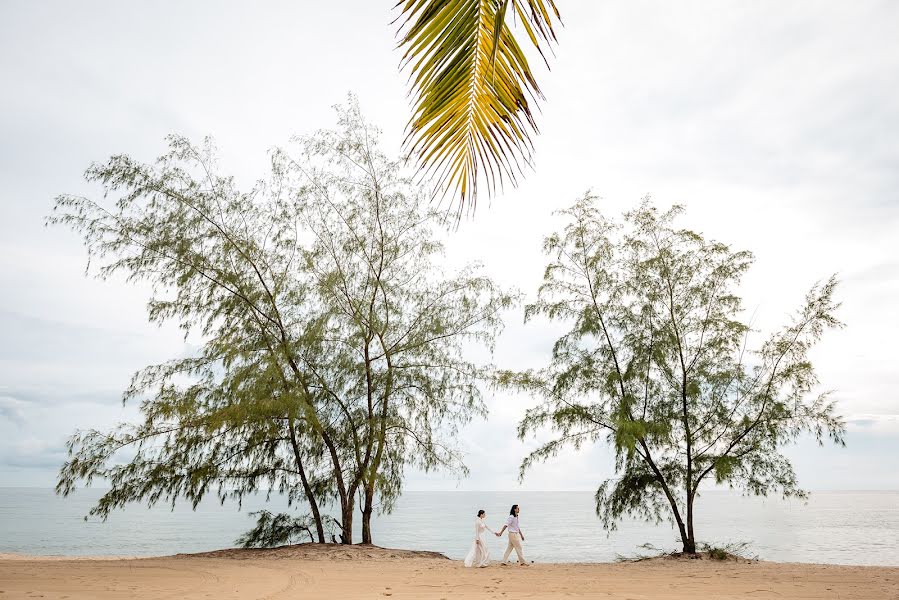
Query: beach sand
(312, 571)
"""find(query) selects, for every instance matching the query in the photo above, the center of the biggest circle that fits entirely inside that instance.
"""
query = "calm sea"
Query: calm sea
(833, 527)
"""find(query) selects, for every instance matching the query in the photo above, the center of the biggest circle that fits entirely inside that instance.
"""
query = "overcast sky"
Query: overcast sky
(774, 123)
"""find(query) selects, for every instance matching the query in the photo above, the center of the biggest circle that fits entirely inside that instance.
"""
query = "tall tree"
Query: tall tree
(656, 363)
(397, 324)
(275, 398)
(473, 89)
(221, 262)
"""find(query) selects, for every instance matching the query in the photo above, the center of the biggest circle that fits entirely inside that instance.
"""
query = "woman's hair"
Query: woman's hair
(481, 512)
(512, 510)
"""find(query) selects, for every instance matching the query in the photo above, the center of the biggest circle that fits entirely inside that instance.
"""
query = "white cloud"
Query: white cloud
(775, 124)
(12, 409)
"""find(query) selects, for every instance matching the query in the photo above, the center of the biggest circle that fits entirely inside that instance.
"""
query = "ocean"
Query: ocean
(832, 527)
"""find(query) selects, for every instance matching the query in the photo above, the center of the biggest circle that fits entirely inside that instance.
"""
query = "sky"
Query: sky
(774, 123)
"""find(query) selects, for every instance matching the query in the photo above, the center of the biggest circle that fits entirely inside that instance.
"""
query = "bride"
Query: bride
(479, 555)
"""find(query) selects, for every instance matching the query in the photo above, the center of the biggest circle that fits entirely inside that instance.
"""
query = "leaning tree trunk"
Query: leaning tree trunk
(307, 489)
(689, 545)
(686, 537)
(346, 496)
(313, 505)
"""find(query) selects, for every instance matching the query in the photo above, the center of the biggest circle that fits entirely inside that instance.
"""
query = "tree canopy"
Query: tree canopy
(656, 362)
(331, 339)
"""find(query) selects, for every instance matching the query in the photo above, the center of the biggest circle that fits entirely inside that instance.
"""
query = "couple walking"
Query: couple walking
(479, 555)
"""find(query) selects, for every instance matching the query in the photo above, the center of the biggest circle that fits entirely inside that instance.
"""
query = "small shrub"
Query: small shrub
(273, 530)
(736, 551)
(732, 551)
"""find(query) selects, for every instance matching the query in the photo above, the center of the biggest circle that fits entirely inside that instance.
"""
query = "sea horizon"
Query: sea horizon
(852, 527)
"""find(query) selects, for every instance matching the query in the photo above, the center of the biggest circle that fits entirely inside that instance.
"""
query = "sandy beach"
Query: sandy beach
(367, 572)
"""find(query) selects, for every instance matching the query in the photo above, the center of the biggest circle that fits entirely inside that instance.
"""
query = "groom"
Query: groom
(516, 536)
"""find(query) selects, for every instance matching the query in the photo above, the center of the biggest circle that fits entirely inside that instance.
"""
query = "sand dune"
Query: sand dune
(370, 572)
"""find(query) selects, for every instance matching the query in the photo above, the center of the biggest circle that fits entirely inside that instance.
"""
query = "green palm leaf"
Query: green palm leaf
(473, 89)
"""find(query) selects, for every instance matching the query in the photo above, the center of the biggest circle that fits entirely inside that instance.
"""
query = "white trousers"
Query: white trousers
(514, 544)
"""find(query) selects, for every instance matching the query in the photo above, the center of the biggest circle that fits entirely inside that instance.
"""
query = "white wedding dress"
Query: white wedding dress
(479, 555)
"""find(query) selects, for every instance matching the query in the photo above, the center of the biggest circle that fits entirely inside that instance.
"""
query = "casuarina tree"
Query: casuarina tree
(656, 362)
(330, 341)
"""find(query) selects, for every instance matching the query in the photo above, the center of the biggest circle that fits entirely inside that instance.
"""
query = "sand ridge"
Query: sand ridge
(333, 571)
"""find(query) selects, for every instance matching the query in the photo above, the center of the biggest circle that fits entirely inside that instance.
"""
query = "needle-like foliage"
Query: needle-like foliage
(330, 339)
(655, 362)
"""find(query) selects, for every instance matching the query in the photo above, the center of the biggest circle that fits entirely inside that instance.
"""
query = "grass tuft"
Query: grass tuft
(733, 552)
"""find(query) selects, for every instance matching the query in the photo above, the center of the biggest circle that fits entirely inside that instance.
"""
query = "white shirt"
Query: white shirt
(512, 524)
(479, 528)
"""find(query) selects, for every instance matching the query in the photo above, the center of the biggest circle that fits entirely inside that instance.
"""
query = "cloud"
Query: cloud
(32, 453)
(44, 361)
(714, 105)
(12, 409)
(876, 274)
(872, 424)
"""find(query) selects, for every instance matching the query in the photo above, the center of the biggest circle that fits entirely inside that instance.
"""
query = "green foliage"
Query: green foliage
(655, 362)
(735, 551)
(473, 88)
(331, 341)
(716, 553)
(274, 530)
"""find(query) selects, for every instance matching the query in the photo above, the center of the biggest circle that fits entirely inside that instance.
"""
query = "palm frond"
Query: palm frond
(473, 90)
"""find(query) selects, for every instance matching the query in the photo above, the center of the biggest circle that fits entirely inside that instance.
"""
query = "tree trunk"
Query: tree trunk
(690, 541)
(371, 482)
(346, 525)
(366, 526)
(367, 512)
(307, 489)
(689, 547)
(687, 539)
(347, 496)
(313, 506)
